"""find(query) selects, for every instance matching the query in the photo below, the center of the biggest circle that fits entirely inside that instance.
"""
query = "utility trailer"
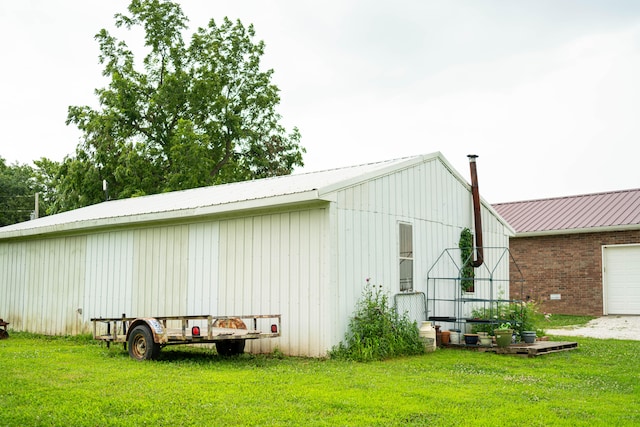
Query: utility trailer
(146, 336)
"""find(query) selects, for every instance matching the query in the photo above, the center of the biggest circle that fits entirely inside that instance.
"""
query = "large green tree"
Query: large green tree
(188, 115)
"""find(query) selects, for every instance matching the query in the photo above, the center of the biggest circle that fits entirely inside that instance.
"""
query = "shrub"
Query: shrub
(377, 331)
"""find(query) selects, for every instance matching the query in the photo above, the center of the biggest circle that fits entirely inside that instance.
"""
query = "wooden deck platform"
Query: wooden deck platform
(525, 350)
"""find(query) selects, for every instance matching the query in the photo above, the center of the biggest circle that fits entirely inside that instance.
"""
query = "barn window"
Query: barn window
(406, 256)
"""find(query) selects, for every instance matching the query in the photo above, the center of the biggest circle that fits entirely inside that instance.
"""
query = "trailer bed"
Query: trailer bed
(176, 330)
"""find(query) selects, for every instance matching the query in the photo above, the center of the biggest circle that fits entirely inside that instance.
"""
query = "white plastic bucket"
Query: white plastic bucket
(428, 336)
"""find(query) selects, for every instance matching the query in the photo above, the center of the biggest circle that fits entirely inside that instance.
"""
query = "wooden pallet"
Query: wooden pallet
(525, 350)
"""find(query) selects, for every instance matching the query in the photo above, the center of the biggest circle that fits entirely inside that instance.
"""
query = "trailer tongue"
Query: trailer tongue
(146, 336)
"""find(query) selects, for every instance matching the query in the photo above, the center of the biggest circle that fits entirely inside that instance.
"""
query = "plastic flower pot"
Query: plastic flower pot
(471, 339)
(503, 337)
(446, 335)
(486, 341)
(529, 337)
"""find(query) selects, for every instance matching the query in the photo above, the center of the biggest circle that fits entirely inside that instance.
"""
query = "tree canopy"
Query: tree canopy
(188, 115)
(18, 187)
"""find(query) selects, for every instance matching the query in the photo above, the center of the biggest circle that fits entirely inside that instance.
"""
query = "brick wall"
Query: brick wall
(569, 265)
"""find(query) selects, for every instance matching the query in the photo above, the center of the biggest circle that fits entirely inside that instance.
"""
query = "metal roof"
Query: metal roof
(582, 213)
(260, 193)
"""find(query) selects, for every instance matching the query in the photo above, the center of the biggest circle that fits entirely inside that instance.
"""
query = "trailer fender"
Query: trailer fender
(154, 325)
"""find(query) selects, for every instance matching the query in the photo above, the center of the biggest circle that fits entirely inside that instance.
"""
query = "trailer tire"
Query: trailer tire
(141, 344)
(3, 334)
(230, 347)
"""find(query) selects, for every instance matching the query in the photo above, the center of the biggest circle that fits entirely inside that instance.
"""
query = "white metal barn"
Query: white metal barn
(298, 245)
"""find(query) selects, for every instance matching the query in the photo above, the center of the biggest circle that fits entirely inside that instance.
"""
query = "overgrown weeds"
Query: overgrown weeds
(377, 331)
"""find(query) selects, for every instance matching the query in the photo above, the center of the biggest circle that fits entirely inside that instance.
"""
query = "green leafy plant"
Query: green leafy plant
(377, 331)
(527, 317)
(520, 316)
(503, 326)
(466, 252)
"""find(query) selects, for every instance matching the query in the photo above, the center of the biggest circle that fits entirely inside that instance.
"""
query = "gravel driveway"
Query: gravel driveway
(618, 327)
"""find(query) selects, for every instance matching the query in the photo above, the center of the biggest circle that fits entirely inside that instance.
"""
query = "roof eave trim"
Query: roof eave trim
(603, 229)
(203, 211)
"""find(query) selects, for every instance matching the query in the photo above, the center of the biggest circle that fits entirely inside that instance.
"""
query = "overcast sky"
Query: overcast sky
(547, 93)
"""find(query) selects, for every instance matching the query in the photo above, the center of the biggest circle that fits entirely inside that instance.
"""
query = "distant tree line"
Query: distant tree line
(18, 186)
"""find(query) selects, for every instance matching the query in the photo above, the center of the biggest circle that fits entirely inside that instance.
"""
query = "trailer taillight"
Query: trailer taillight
(195, 331)
(274, 329)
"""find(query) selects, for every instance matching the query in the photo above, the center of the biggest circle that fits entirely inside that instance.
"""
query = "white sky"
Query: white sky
(546, 92)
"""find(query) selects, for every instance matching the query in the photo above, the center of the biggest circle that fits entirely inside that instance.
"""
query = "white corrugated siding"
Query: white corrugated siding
(267, 264)
(202, 281)
(276, 264)
(108, 274)
(136, 272)
(43, 284)
(12, 271)
(160, 271)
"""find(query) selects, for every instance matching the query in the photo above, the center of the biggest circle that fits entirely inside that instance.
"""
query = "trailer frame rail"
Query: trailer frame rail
(195, 329)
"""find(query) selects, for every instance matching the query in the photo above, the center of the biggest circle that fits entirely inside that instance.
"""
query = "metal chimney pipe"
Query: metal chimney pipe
(477, 218)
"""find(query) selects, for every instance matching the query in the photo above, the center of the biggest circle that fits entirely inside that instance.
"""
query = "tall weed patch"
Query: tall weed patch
(377, 331)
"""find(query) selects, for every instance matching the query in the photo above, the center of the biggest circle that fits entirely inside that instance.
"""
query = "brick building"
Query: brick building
(580, 254)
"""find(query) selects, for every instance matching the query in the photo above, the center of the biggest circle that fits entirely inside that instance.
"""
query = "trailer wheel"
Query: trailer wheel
(141, 344)
(230, 347)
(3, 334)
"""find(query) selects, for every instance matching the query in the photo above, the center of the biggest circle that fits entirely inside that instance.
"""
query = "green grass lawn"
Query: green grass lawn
(77, 382)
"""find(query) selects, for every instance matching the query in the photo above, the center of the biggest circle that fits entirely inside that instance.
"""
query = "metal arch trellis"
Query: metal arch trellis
(448, 268)
(503, 252)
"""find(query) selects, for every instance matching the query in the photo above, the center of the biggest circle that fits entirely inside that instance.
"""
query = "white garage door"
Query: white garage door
(622, 279)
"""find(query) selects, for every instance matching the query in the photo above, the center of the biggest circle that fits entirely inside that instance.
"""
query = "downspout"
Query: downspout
(477, 219)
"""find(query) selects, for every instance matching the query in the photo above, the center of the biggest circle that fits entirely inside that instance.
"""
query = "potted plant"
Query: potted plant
(471, 339)
(485, 339)
(524, 316)
(454, 336)
(529, 337)
(503, 334)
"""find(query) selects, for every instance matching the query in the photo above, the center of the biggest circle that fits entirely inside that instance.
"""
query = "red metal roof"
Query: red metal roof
(574, 213)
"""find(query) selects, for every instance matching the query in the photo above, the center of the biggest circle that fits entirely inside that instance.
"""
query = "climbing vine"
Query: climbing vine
(466, 255)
